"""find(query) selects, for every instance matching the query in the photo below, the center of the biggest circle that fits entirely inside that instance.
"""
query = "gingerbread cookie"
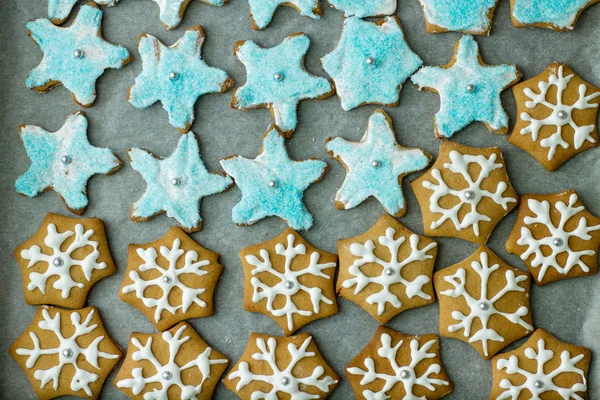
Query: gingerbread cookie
(543, 368)
(66, 352)
(387, 269)
(473, 17)
(276, 79)
(370, 63)
(262, 11)
(398, 366)
(484, 302)
(175, 184)
(557, 116)
(363, 9)
(375, 166)
(290, 366)
(175, 364)
(556, 237)
(176, 76)
(75, 56)
(272, 184)
(559, 15)
(469, 90)
(63, 161)
(63, 260)
(59, 10)
(289, 280)
(172, 11)
(466, 193)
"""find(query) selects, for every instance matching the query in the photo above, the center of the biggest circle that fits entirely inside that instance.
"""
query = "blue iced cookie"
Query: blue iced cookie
(560, 15)
(467, 16)
(363, 9)
(370, 63)
(59, 10)
(276, 79)
(469, 90)
(74, 56)
(175, 184)
(272, 184)
(262, 11)
(63, 161)
(176, 76)
(171, 11)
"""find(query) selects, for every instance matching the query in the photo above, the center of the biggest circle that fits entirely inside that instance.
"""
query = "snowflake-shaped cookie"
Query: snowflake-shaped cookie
(469, 90)
(176, 184)
(542, 368)
(363, 9)
(484, 302)
(66, 352)
(288, 365)
(276, 79)
(370, 63)
(466, 193)
(172, 11)
(556, 237)
(75, 56)
(178, 358)
(59, 10)
(289, 280)
(171, 279)
(473, 16)
(557, 116)
(63, 260)
(63, 161)
(376, 166)
(410, 367)
(262, 11)
(176, 76)
(272, 184)
(559, 15)
(387, 269)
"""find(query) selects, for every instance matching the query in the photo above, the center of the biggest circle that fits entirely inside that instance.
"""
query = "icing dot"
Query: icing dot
(558, 242)
(173, 75)
(279, 77)
(538, 384)
(78, 53)
(370, 61)
(469, 195)
(65, 159)
(285, 381)
(376, 163)
(167, 375)
(470, 88)
(389, 271)
(167, 279)
(563, 115)
(175, 181)
(67, 353)
(272, 184)
(58, 262)
(405, 374)
(484, 306)
(289, 284)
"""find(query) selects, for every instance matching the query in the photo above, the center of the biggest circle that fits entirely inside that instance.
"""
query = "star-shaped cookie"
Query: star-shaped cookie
(176, 76)
(473, 17)
(75, 56)
(559, 15)
(272, 184)
(363, 9)
(175, 184)
(59, 10)
(375, 166)
(262, 11)
(277, 80)
(469, 90)
(172, 11)
(63, 161)
(370, 63)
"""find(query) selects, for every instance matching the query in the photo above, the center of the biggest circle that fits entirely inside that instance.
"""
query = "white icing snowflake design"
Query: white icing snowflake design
(282, 380)
(484, 307)
(61, 262)
(67, 351)
(471, 195)
(391, 273)
(169, 374)
(405, 375)
(562, 114)
(289, 284)
(542, 380)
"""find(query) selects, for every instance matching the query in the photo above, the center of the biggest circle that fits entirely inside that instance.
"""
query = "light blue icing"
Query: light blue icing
(60, 64)
(68, 177)
(357, 82)
(59, 10)
(281, 96)
(262, 11)
(469, 16)
(363, 8)
(178, 93)
(459, 106)
(375, 165)
(180, 199)
(172, 10)
(559, 13)
(273, 184)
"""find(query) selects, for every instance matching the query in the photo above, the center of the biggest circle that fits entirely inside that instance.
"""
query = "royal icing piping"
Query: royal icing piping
(483, 308)
(176, 76)
(262, 11)
(171, 11)
(176, 184)
(283, 380)
(459, 164)
(363, 9)
(547, 250)
(63, 161)
(561, 14)
(68, 352)
(468, 91)
(542, 380)
(273, 184)
(289, 284)
(59, 10)
(562, 114)
(370, 63)
(375, 165)
(406, 375)
(458, 15)
(170, 373)
(75, 56)
(277, 78)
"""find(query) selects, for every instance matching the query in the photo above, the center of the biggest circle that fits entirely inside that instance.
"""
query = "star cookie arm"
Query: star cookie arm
(262, 11)
(559, 15)
(473, 17)
(171, 11)
(363, 9)
(59, 10)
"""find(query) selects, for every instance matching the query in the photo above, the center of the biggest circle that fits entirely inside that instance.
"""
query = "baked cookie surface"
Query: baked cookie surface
(262, 11)
(559, 15)
(473, 17)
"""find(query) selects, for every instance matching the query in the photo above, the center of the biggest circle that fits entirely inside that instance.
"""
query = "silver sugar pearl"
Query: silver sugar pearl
(563, 115)
(558, 242)
(538, 384)
(67, 353)
(389, 271)
(470, 88)
(405, 374)
(272, 184)
(167, 279)
(469, 195)
(370, 61)
(173, 75)
(58, 262)
(484, 306)
(289, 284)
(78, 53)
(376, 163)
(175, 181)
(167, 375)
(278, 76)
(285, 381)
(65, 160)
